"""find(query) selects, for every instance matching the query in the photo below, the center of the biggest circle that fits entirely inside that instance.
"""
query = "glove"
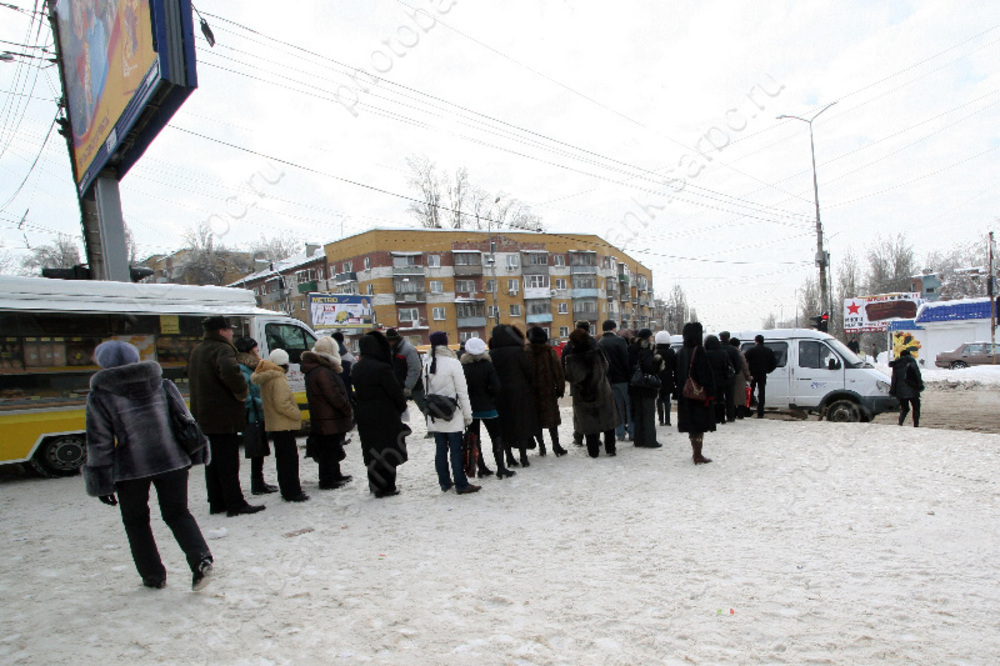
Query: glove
(468, 422)
(408, 393)
(110, 500)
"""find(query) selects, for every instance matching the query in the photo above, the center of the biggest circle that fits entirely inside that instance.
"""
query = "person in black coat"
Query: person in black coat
(483, 384)
(761, 361)
(719, 360)
(668, 368)
(695, 416)
(906, 385)
(380, 405)
(729, 390)
(643, 399)
(518, 422)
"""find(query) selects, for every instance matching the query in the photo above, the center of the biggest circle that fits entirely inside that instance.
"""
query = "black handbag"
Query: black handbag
(186, 430)
(440, 406)
(640, 380)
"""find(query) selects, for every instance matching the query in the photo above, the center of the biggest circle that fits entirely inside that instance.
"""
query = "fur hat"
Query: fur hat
(438, 338)
(114, 353)
(278, 357)
(662, 338)
(583, 324)
(327, 346)
(215, 323)
(245, 345)
(644, 334)
(537, 336)
(475, 346)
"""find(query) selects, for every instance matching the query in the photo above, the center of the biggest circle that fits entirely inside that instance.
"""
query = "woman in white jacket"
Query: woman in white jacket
(443, 376)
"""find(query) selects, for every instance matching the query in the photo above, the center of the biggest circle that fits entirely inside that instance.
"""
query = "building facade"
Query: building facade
(283, 286)
(464, 281)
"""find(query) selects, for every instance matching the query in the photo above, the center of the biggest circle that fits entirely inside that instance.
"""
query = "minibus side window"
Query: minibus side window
(293, 339)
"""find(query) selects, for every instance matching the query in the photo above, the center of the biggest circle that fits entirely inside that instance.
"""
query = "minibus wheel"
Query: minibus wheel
(843, 411)
(62, 455)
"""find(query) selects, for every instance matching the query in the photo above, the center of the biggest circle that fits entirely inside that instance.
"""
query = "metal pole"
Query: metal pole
(993, 307)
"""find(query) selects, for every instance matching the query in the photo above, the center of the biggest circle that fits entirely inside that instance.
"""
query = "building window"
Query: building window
(467, 258)
(464, 336)
(307, 275)
(538, 259)
(465, 286)
(490, 286)
(582, 259)
(564, 331)
(513, 260)
(515, 310)
(537, 281)
(368, 263)
(465, 311)
(370, 288)
(561, 284)
(539, 307)
(564, 308)
(406, 261)
(437, 287)
(559, 260)
(433, 261)
(409, 315)
(584, 282)
(512, 286)
(438, 314)
(491, 311)
(348, 267)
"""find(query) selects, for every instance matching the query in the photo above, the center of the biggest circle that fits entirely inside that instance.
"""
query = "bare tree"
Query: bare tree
(810, 300)
(770, 322)
(205, 262)
(962, 270)
(459, 191)
(63, 253)
(425, 178)
(676, 310)
(276, 248)
(891, 264)
(7, 262)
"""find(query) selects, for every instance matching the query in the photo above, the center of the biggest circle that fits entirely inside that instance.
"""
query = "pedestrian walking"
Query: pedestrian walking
(331, 415)
(218, 403)
(282, 420)
(444, 380)
(594, 410)
(695, 416)
(907, 384)
(547, 386)
(130, 447)
(255, 444)
(518, 419)
(762, 362)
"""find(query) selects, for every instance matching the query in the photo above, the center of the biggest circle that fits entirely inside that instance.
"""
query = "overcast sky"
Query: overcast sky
(652, 124)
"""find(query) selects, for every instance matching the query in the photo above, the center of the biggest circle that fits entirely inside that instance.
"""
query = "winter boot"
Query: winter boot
(511, 462)
(541, 445)
(696, 443)
(257, 484)
(483, 470)
(524, 458)
(556, 448)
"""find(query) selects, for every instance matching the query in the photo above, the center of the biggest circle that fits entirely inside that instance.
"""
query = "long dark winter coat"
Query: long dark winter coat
(668, 369)
(761, 361)
(547, 384)
(641, 354)
(518, 420)
(128, 428)
(482, 381)
(695, 416)
(586, 371)
(330, 411)
(616, 350)
(907, 383)
(379, 399)
(218, 390)
(719, 360)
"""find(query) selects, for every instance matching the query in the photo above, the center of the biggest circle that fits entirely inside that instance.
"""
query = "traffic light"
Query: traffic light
(821, 322)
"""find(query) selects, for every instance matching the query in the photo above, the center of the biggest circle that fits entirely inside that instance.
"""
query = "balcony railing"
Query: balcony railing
(539, 318)
(472, 322)
(407, 270)
(306, 287)
(577, 270)
(411, 297)
(349, 276)
(274, 296)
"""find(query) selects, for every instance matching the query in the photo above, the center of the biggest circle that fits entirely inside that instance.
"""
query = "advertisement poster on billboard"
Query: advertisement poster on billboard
(873, 313)
(110, 63)
(341, 311)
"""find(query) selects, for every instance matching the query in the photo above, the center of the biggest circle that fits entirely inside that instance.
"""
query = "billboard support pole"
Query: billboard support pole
(104, 230)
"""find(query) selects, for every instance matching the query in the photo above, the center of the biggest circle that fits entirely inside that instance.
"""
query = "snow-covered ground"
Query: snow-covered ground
(804, 541)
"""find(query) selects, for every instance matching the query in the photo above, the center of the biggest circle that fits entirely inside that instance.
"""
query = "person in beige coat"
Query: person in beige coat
(282, 420)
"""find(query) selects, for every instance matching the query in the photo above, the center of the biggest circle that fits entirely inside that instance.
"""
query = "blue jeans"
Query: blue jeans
(450, 443)
(622, 402)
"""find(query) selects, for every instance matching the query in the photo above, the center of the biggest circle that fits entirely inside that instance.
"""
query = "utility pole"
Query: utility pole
(822, 257)
(493, 264)
(993, 307)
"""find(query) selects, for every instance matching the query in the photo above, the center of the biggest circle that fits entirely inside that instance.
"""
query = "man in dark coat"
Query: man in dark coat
(380, 404)
(695, 416)
(518, 420)
(615, 349)
(906, 385)
(218, 394)
(719, 360)
(729, 390)
(761, 361)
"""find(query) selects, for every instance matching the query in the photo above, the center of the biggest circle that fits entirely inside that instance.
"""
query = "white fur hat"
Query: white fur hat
(278, 357)
(662, 338)
(475, 346)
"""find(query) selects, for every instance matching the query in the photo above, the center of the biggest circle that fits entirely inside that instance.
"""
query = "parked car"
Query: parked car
(970, 353)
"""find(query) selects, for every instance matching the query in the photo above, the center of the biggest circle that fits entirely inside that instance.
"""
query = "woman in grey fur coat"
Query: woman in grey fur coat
(130, 446)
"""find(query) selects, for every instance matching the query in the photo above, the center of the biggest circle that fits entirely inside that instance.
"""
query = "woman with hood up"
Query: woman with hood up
(547, 386)
(330, 414)
(255, 446)
(379, 406)
(282, 420)
(518, 421)
(483, 385)
(594, 410)
(131, 446)
(695, 416)
(667, 369)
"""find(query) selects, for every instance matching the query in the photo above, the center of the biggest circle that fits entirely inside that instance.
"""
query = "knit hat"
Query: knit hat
(325, 345)
(662, 338)
(215, 323)
(537, 336)
(438, 338)
(278, 357)
(245, 345)
(644, 333)
(609, 325)
(392, 335)
(114, 353)
(475, 346)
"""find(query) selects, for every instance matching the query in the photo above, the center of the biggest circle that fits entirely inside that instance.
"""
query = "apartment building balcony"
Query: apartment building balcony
(408, 270)
(306, 287)
(539, 318)
(583, 269)
(275, 296)
(584, 293)
(411, 297)
(588, 315)
(472, 322)
(538, 292)
(344, 278)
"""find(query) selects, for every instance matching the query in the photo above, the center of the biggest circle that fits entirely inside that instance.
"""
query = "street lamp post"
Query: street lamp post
(822, 257)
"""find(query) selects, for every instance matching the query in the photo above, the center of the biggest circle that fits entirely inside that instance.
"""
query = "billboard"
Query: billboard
(127, 65)
(341, 311)
(873, 313)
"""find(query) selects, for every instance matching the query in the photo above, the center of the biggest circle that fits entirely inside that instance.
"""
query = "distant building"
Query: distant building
(927, 284)
(187, 266)
(282, 286)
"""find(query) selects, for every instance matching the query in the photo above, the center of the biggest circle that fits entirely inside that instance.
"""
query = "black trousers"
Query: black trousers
(496, 439)
(222, 475)
(663, 407)
(904, 409)
(594, 443)
(643, 419)
(286, 460)
(328, 457)
(172, 495)
(760, 387)
(732, 398)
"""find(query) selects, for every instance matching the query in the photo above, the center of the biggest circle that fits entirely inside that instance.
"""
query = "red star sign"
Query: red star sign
(853, 308)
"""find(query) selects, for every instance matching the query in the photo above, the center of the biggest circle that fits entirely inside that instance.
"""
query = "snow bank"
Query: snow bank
(971, 377)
